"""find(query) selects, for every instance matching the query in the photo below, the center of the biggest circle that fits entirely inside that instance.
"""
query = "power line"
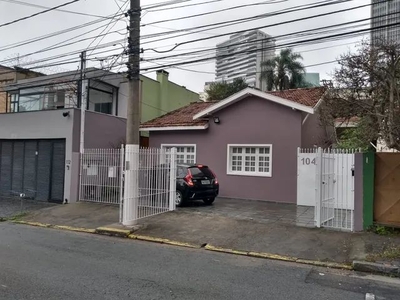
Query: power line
(115, 22)
(266, 26)
(287, 45)
(182, 6)
(40, 38)
(39, 13)
(248, 19)
(69, 30)
(214, 12)
(47, 7)
(265, 39)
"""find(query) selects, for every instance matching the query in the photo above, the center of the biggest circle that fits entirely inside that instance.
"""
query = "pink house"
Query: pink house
(250, 139)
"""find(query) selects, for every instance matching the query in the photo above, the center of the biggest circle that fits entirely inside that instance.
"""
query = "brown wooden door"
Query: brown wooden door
(144, 142)
(387, 189)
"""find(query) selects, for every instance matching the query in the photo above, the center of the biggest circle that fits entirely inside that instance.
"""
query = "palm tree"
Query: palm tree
(284, 71)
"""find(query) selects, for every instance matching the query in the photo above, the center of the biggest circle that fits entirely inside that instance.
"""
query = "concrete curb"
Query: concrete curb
(124, 233)
(162, 241)
(61, 227)
(377, 268)
(266, 255)
(113, 231)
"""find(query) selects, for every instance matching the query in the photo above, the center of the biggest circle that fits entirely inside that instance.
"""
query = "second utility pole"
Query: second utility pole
(130, 209)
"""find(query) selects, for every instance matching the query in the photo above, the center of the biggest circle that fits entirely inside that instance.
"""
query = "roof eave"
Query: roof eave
(249, 91)
(175, 128)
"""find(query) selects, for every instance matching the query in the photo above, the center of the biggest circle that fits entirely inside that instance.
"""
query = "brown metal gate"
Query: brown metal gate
(387, 189)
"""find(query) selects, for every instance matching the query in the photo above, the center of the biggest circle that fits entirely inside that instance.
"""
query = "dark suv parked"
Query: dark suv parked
(195, 182)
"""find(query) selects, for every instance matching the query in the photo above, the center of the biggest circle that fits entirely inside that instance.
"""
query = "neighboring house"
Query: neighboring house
(250, 139)
(344, 124)
(40, 133)
(11, 75)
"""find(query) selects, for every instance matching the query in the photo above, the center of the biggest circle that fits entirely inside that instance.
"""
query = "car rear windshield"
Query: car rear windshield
(201, 172)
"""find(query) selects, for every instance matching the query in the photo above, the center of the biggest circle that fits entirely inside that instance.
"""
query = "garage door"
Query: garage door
(32, 167)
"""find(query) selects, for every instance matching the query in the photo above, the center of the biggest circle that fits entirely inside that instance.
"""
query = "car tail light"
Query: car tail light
(188, 179)
(215, 178)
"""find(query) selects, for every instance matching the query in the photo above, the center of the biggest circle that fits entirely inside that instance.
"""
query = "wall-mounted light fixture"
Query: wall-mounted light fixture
(66, 114)
(217, 120)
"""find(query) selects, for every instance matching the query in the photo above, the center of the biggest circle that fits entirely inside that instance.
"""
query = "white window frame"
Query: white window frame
(244, 173)
(164, 146)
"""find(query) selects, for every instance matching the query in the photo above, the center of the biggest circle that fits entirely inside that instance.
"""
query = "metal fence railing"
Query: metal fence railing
(155, 176)
(141, 179)
(101, 172)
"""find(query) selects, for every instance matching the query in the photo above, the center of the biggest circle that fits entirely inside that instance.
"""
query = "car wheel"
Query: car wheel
(209, 201)
(179, 199)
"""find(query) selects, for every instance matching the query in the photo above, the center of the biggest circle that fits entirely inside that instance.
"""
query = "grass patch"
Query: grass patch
(391, 253)
(17, 216)
(384, 230)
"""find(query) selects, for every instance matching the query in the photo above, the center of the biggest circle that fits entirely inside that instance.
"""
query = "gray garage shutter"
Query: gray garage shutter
(44, 170)
(30, 168)
(17, 168)
(5, 167)
(57, 172)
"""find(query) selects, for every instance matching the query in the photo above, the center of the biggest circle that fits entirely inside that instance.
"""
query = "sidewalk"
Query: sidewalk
(199, 227)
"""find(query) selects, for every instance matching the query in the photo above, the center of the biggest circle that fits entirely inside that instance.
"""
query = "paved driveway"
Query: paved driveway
(261, 211)
(13, 206)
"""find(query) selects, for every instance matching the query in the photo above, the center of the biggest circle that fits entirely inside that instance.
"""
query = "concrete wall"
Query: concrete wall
(313, 133)
(42, 125)
(358, 192)
(101, 131)
(158, 97)
(250, 121)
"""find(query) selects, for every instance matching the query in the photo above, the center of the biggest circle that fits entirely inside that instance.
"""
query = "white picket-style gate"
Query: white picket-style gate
(326, 182)
(141, 181)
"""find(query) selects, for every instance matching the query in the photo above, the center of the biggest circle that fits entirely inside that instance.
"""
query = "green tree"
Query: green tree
(222, 90)
(284, 71)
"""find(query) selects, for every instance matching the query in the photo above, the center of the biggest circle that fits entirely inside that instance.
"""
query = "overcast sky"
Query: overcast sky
(194, 75)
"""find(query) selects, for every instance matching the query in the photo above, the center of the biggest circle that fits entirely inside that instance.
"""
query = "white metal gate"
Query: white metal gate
(141, 181)
(326, 181)
(101, 175)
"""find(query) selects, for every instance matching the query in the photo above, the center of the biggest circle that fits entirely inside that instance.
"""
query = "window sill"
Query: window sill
(268, 175)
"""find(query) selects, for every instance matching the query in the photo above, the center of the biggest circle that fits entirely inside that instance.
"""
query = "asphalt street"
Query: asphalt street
(37, 263)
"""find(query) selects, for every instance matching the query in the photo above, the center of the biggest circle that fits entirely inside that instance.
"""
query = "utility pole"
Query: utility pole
(83, 97)
(131, 184)
(133, 112)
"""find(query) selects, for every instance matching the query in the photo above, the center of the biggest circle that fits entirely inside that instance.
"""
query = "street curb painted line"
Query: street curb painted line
(60, 227)
(128, 234)
(279, 257)
(113, 231)
(162, 241)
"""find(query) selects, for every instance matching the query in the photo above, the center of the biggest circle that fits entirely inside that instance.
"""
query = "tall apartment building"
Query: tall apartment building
(385, 13)
(241, 57)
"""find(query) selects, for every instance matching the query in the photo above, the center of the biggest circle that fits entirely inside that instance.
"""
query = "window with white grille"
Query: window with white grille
(250, 160)
(184, 153)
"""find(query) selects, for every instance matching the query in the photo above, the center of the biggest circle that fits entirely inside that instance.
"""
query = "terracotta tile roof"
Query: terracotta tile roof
(180, 117)
(306, 96)
(184, 116)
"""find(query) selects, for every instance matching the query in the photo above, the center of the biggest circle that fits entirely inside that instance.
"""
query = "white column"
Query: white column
(131, 184)
(318, 191)
(172, 180)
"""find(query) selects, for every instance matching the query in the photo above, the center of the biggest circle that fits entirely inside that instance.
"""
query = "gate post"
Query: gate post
(318, 191)
(172, 180)
(131, 186)
(121, 181)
